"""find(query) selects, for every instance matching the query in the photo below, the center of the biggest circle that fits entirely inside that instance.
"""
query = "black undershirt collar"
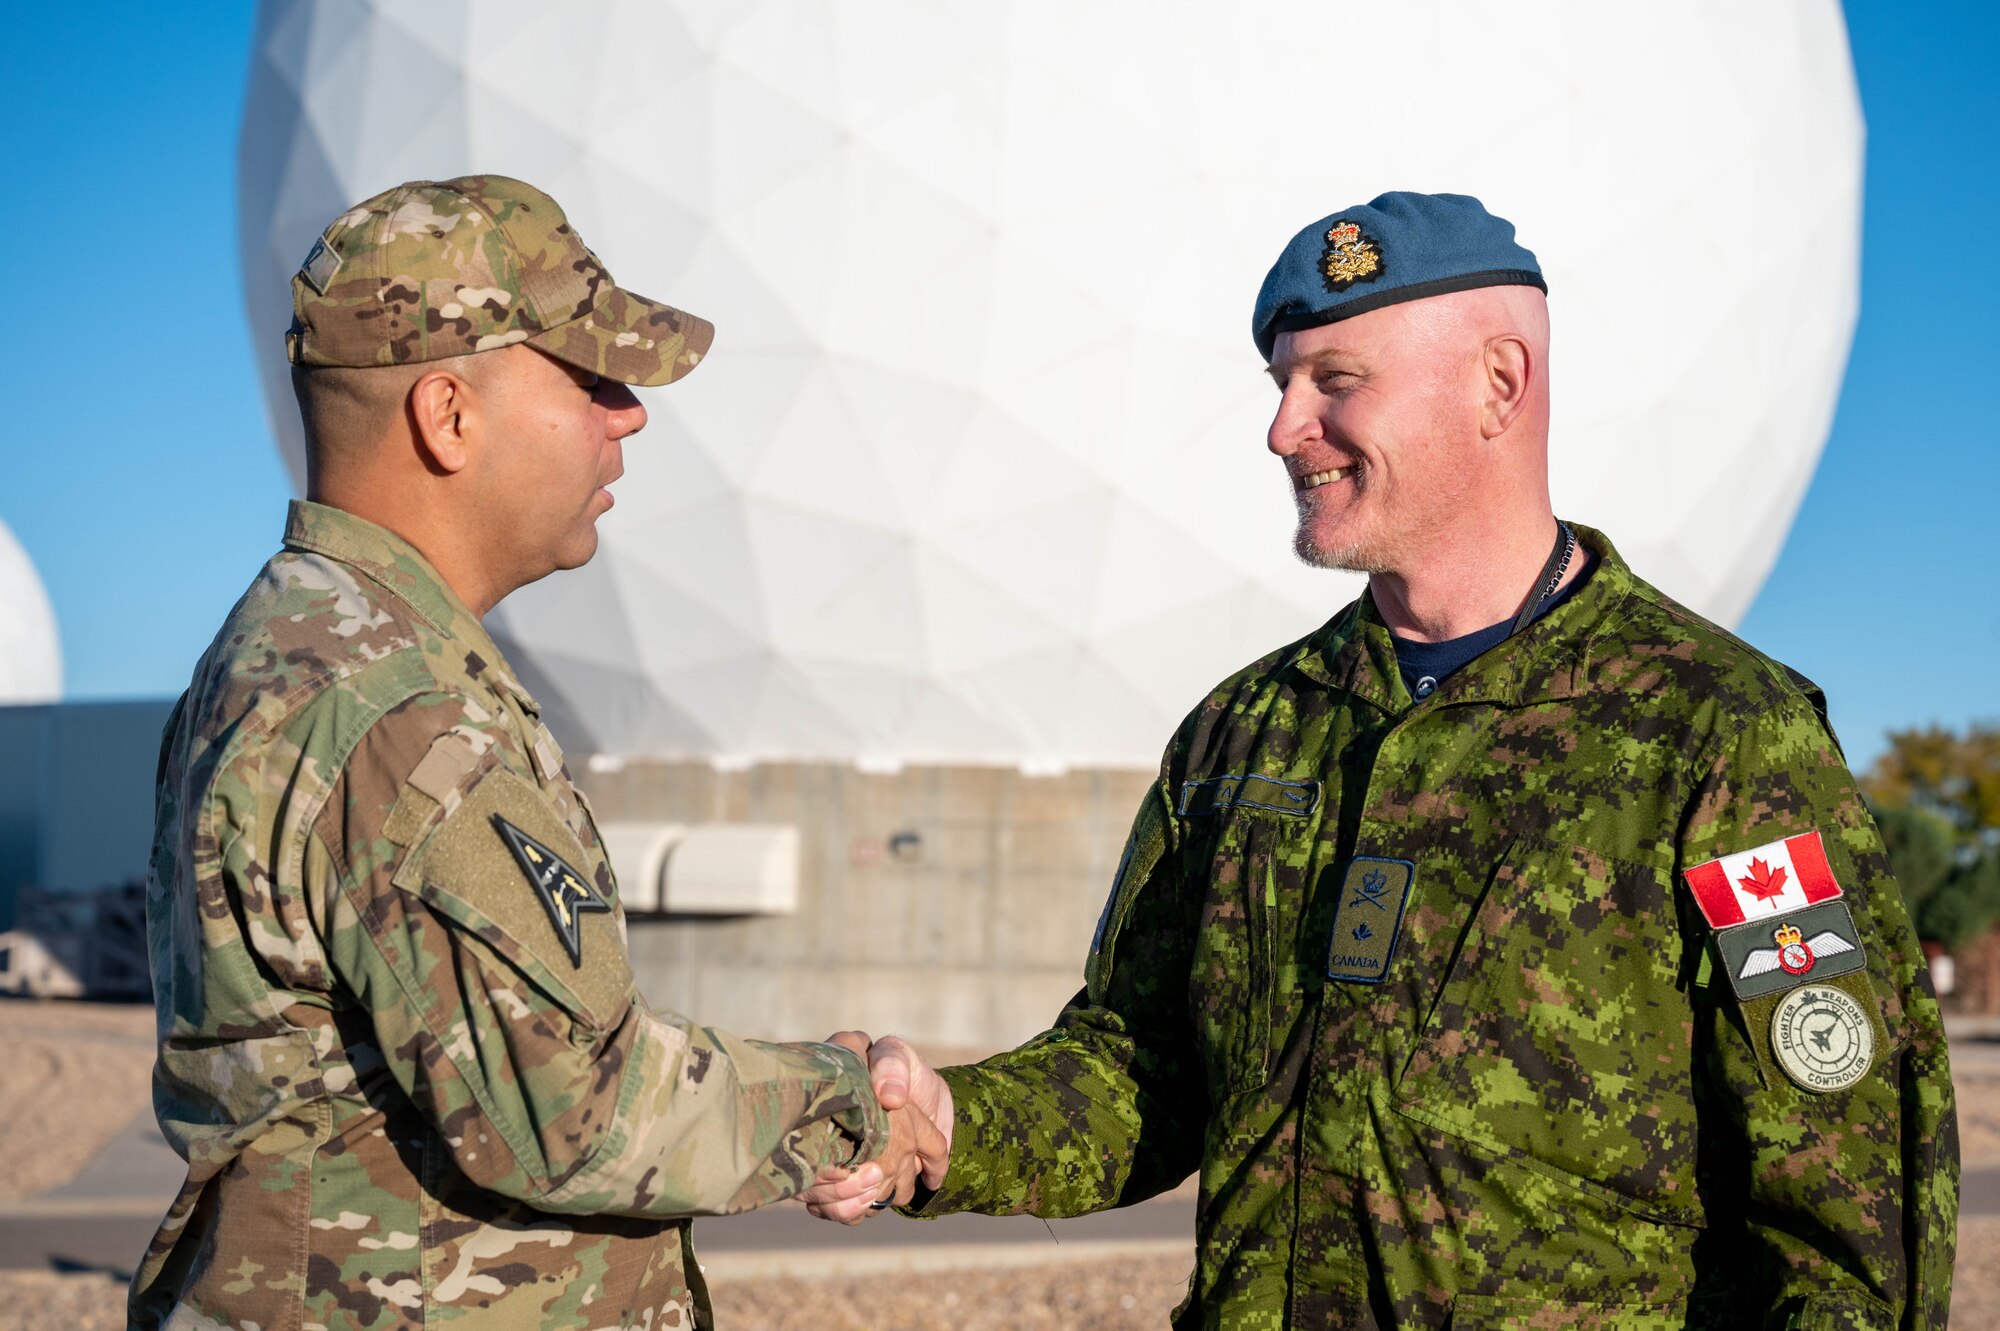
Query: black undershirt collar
(1425, 665)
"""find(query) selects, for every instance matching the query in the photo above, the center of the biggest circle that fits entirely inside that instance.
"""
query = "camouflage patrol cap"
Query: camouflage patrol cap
(432, 269)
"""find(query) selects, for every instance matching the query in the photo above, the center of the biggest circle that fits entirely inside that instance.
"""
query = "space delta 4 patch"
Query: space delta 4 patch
(563, 892)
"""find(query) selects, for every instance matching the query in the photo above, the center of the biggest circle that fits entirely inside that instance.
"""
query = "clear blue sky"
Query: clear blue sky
(141, 477)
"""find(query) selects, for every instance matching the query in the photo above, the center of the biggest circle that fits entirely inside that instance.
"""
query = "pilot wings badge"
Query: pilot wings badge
(1819, 942)
(1792, 955)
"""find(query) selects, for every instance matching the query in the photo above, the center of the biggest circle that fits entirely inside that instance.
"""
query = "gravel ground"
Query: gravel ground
(73, 1075)
(76, 1072)
(1121, 1294)
(1975, 1285)
(1978, 1117)
(1117, 1295)
(45, 1301)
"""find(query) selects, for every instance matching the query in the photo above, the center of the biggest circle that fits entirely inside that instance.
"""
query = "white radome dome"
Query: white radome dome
(975, 469)
(30, 651)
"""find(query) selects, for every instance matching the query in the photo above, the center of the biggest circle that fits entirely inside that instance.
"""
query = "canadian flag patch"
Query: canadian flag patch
(1783, 876)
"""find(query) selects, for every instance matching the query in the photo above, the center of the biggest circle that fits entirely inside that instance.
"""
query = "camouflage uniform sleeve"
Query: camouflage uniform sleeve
(508, 1012)
(1849, 1197)
(1106, 1107)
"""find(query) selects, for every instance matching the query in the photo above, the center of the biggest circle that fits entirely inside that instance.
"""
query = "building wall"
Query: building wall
(969, 936)
(76, 795)
(972, 937)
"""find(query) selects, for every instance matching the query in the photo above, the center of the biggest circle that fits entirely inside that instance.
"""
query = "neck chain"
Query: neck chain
(1553, 572)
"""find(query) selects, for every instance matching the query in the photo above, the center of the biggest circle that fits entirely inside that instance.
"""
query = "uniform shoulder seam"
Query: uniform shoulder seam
(1265, 669)
(1260, 676)
(260, 729)
(1783, 681)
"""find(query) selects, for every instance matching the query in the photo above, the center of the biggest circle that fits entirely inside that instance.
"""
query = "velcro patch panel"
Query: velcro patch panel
(1216, 793)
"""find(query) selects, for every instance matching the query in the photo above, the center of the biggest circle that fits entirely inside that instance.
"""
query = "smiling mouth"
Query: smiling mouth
(1312, 480)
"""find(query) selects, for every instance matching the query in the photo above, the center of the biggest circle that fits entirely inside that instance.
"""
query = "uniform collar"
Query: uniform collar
(401, 570)
(1547, 660)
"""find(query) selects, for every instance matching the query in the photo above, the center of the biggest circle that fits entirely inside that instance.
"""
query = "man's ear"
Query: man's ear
(1510, 370)
(444, 415)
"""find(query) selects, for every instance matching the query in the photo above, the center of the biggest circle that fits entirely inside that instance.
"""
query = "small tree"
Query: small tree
(1952, 897)
(1954, 776)
(1936, 797)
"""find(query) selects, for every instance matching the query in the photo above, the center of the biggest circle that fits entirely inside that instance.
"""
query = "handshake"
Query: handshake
(919, 1105)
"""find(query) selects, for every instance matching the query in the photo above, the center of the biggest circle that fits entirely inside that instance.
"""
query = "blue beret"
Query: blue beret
(1401, 246)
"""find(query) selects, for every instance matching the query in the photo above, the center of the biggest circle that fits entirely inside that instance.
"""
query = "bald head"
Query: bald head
(1489, 312)
(351, 414)
(1484, 352)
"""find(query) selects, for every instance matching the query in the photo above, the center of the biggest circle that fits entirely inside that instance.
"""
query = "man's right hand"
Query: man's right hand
(920, 1121)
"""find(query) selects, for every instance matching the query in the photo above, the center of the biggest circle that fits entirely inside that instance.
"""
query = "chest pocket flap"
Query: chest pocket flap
(1258, 835)
(1216, 793)
(506, 866)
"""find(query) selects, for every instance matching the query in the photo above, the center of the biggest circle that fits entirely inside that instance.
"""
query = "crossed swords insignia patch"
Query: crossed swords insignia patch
(563, 891)
(1369, 918)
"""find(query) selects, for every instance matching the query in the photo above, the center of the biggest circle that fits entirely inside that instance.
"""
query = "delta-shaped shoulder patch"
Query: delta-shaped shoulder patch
(564, 892)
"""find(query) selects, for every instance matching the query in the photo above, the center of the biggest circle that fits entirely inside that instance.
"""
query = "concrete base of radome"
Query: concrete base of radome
(951, 905)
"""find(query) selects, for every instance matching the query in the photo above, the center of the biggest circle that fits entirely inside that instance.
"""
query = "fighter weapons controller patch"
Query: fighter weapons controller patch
(563, 891)
(1822, 1038)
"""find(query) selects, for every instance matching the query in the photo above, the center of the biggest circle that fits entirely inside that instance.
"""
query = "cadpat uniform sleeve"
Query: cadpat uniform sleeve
(467, 916)
(1829, 1120)
(1107, 1107)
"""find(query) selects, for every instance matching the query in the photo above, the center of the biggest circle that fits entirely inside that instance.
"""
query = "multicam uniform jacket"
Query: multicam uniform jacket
(400, 1045)
(1550, 1109)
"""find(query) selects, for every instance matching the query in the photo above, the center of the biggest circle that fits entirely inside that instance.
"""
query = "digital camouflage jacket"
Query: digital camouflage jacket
(1531, 1096)
(400, 1046)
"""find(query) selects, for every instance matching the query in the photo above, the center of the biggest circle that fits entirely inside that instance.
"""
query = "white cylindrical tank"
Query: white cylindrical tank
(30, 651)
(975, 469)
